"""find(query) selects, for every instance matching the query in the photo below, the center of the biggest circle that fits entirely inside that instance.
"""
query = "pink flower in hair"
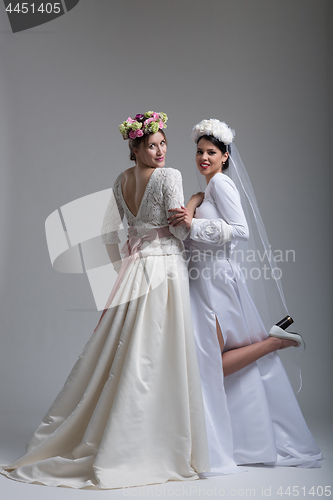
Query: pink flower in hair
(139, 133)
(155, 116)
(133, 134)
(149, 120)
(161, 124)
(129, 120)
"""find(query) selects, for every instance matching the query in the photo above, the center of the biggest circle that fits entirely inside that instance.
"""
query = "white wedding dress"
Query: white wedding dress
(252, 415)
(131, 410)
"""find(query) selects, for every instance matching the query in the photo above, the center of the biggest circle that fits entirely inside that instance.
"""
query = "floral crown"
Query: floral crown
(217, 129)
(148, 123)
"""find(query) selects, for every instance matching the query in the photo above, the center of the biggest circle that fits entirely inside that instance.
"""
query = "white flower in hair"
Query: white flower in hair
(217, 129)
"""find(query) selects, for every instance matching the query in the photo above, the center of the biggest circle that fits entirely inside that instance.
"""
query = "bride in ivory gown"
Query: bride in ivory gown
(251, 411)
(131, 410)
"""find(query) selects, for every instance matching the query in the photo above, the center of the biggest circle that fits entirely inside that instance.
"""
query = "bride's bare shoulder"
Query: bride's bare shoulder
(127, 175)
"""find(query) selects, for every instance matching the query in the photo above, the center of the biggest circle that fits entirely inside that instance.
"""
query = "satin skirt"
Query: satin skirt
(131, 411)
(252, 415)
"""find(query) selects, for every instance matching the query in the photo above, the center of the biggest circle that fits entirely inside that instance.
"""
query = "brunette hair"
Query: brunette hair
(135, 143)
(220, 145)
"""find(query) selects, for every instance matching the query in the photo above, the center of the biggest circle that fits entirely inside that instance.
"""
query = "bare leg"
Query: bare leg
(236, 359)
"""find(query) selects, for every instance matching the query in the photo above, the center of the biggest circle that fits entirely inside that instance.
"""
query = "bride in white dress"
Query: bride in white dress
(131, 410)
(251, 411)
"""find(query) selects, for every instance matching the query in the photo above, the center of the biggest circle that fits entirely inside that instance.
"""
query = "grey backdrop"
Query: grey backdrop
(262, 66)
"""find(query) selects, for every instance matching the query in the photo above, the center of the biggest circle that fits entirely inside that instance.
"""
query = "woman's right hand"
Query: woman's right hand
(180, 217)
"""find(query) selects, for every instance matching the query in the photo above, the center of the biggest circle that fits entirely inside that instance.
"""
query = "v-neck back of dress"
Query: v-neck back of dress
(163, 191)
(143, 196)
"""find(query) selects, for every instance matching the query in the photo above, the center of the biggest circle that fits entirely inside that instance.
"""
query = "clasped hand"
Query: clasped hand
(183, 216)
(180, 217)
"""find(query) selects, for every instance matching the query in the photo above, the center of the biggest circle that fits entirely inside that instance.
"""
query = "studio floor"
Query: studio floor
(255, 482)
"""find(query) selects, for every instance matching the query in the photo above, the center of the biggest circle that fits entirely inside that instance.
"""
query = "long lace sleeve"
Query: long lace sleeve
(232, 225)
(174, 198)
(113, 217)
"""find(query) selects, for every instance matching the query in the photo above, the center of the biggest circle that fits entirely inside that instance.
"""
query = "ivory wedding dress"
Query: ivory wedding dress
(252, 415)
(131, 410)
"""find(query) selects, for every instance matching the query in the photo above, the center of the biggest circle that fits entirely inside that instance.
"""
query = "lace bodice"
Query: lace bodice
(164, 190)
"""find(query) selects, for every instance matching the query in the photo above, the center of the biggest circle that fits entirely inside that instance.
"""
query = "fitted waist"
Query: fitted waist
(152, 241)
(209, 253)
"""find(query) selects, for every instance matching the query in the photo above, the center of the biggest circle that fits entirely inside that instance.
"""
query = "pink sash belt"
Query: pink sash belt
(132, 250)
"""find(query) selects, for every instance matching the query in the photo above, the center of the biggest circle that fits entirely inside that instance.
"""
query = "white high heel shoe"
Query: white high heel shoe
(279, 332)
